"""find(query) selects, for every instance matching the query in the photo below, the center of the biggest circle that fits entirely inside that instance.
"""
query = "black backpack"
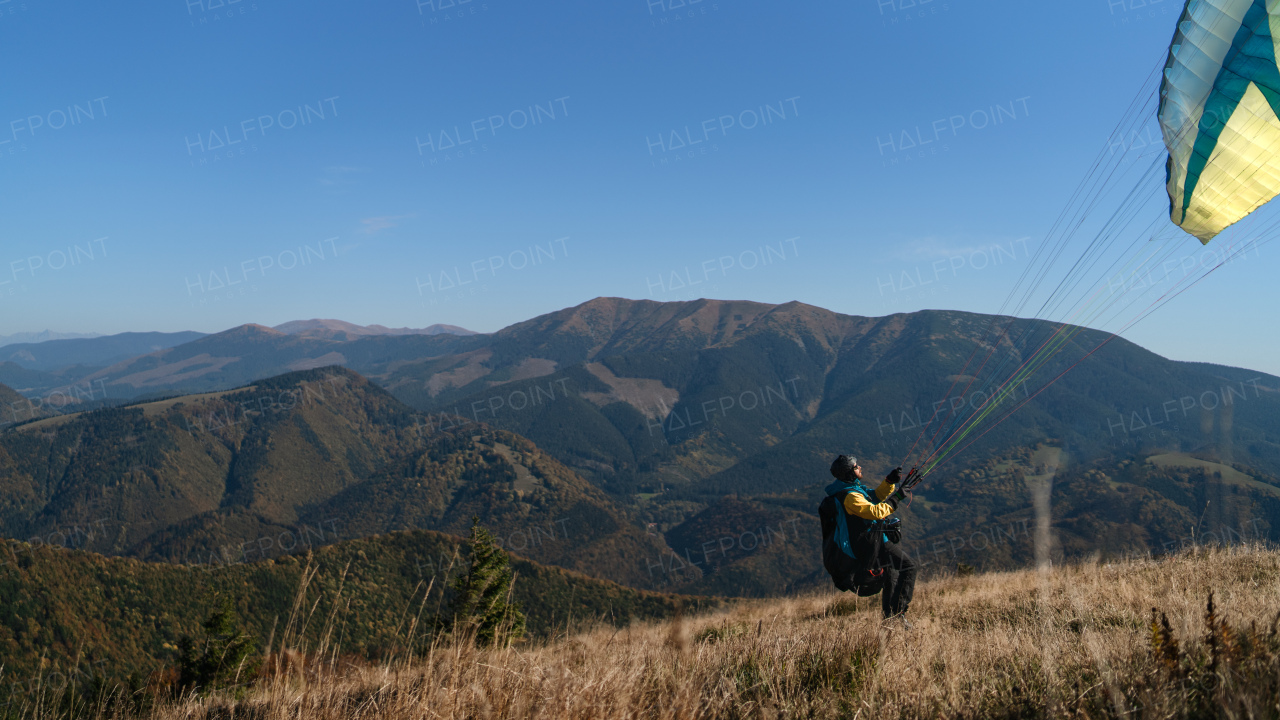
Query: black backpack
(851, 545)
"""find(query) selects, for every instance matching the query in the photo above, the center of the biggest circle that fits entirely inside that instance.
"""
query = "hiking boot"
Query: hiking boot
(905, 624)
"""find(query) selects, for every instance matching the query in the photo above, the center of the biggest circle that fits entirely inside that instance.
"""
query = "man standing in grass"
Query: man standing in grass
(855, 548)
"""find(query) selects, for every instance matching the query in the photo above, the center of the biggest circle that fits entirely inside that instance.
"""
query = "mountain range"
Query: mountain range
(339, 330)
(97, 351)
(696, 433)
(72, 368)
(621, 449)
(42, 336)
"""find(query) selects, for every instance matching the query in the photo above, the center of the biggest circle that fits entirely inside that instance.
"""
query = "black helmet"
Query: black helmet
(843, 466)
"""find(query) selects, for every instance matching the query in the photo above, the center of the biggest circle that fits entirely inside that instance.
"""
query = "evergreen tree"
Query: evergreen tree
(224, 656)
(483, 607)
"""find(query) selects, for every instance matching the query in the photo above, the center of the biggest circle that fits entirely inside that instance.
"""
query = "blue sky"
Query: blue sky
(185, 166)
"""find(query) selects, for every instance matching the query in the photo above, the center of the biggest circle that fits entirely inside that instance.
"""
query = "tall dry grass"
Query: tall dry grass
(1070, 641)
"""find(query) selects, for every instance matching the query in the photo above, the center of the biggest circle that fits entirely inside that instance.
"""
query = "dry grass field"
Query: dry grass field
(1075, 641)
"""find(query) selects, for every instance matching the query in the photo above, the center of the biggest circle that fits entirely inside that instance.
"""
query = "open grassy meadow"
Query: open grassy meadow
(1135, 638)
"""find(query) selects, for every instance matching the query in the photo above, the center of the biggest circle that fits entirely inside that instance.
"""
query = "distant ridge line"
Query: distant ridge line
(318, 326)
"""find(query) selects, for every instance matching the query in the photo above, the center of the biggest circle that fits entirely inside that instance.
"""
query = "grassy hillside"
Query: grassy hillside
(66, 610)
(1131, 639)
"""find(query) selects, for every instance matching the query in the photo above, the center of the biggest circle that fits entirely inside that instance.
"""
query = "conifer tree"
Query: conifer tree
(225, 656)
(482, 608)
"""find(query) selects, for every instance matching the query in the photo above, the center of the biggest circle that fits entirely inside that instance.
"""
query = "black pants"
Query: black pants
(899, 579)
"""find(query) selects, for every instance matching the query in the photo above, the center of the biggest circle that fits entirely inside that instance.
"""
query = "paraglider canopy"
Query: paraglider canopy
(1219, 101)
(1218, 107)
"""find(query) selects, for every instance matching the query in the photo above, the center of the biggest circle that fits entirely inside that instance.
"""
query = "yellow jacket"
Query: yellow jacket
(856, 504)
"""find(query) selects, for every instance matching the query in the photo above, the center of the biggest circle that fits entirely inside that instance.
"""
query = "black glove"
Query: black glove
(895, 497)
(894, 477)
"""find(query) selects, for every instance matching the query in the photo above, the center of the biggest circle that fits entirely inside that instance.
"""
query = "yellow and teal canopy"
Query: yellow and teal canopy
(1219, 106)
